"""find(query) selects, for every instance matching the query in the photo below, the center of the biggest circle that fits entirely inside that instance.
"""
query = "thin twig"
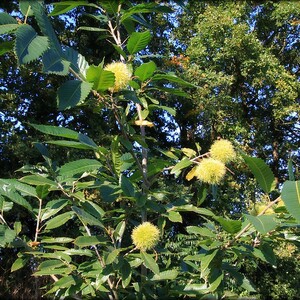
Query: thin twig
(37, 229)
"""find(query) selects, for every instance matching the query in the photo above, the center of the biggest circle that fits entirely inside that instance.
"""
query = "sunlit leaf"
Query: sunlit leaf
(86, 218)
(6, 46)
(38, 180)
(112, 256)
(138, 41)
(231, 226)
(56, 131)
(65, 6)
(165, 275)
(11, 193)
(86, 241)
(262, 224)
(171, 78)
(149, 262)
(19, 263)
(185, 162)
(144, 8)
(59, 220)
(262, 172)
(79, 166)
(174, 216)
(291, 197)
(145, 71)
(101, 79)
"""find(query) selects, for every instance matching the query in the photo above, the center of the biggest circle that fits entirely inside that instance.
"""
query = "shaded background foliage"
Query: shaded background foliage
(243, 56)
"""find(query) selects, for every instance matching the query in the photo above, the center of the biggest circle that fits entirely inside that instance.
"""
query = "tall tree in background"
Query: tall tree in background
(245, 59)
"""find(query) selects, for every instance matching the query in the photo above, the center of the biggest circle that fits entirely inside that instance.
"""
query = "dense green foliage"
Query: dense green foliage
(114, 113)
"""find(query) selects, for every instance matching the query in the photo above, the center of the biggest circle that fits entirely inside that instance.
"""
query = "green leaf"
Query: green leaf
(185, 162)
(56, 271)
(86, 218)
(101, 79)
(59, 220)
(112, 256)
(172, 91)
(5, 18)
(8, 23)
(290, 170)
(24, 189)
(42, 191)
(65, 282)
(109, 192)
(94, 209)
(149, 262)
(88, 28)
(127, 187)
(116, 156)
(50, 264)
(138, 41)
(71, 144)
(169, 154)
(25, 7)
(56, 131)
(189, 152)
(86, 241)
(80, 252)
(119, 231)
(29, 46)
(145, 71)
(77, 61)
(38, 180)
(60, 255)
(120, 51)
(6, 46)
(231, 226)
(65, 6)
(125, 273)
(265, 252)
(52, 208)
(290, 195)
(57, 240)
(17, 227)
(45, 25)
(10, 192)
(215, 279)
(262, 224)
(144, 8)
(171, 78)
(19, 263)
(110, 7)
(54, 64)
(174, 216)
(262, 173)
(79, 166)
(7, 28)
(85, 140)
(203, 231)
(198, 210)
(170, 110)
(165, 275)
(207, 259)
(5, 205)
(72, 93)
